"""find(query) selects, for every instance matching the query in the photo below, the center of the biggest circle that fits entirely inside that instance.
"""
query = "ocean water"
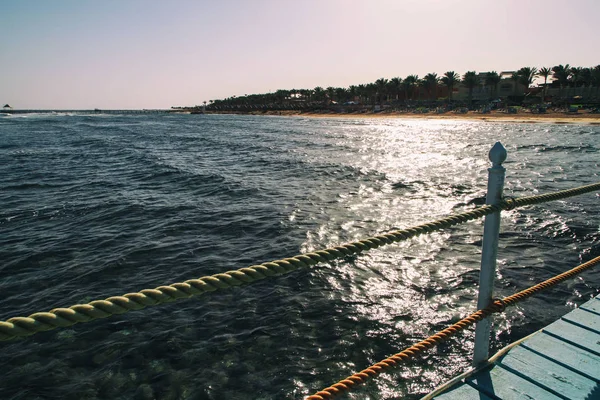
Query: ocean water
(100, 205)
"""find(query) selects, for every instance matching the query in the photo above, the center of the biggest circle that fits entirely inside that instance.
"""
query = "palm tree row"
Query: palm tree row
(413, 88)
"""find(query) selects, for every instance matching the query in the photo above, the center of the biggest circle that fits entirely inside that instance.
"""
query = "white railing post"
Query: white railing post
(489, 252)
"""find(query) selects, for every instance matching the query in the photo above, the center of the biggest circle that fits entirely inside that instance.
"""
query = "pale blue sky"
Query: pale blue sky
(157, 54)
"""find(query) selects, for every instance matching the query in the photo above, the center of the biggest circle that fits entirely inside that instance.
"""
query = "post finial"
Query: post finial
(497, 154)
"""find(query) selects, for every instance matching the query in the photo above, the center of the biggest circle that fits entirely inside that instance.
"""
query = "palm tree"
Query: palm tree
(282, 95)
(371, 89)
(545, 72)
(470, 81)
(418, 85)
(596, 77)
(341, 94)
(561, 74)
(319, 93)
(430, 81)
(362, 93)
(394, 86)
(575, 77)
(492, 80)
(526, 76)
(330, 90)
(381, 84)
(353, 92)
(408, 83)
(308, 94)
(450, 79)
(516, 78)
(586, 79)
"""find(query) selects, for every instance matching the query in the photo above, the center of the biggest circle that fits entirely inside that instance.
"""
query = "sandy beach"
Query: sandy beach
(493, 116)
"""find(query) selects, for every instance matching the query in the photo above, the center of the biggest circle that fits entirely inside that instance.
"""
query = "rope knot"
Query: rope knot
(509, 203)
(499, 304)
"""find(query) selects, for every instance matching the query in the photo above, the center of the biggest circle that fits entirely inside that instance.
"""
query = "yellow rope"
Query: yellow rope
(349, 383)
(64, 317)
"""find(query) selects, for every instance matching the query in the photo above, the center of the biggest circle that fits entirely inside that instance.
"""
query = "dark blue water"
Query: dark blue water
(101, 205)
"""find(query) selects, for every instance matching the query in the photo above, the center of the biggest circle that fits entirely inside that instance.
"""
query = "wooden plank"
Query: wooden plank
(560, 362)
(575, 335)
(565, 354)
(584, 318)
(508, 386)
(463, 392)
(547, 374)
(592, 305)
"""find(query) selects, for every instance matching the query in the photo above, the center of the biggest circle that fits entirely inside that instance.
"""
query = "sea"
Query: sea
(98, 205)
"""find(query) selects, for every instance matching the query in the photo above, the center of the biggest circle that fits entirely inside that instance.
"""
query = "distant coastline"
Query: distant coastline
(88, 111)
(583, 117)
(567, 94)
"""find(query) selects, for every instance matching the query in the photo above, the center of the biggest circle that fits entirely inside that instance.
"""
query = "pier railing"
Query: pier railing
(489, 251)
(17, 327)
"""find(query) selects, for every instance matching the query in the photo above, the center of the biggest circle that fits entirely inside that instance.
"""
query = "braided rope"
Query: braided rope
(497, 306)
(65, 317)
(509, 204)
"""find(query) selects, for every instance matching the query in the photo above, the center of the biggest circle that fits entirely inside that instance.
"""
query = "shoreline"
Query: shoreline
(523, 118)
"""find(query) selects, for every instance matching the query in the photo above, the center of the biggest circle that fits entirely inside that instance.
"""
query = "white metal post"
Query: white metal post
(489, 252)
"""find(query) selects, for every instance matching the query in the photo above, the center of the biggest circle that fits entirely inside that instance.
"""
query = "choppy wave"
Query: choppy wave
(95, 206)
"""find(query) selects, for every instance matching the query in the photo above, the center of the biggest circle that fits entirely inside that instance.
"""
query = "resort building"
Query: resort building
(483, 93)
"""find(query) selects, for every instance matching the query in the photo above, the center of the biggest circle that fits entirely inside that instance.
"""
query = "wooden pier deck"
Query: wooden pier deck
(562, 361)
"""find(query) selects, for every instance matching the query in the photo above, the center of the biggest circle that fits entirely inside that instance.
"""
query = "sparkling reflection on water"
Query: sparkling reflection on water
(102, 205)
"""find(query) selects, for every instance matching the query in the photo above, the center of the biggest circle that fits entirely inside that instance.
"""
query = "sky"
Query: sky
(132, 54)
